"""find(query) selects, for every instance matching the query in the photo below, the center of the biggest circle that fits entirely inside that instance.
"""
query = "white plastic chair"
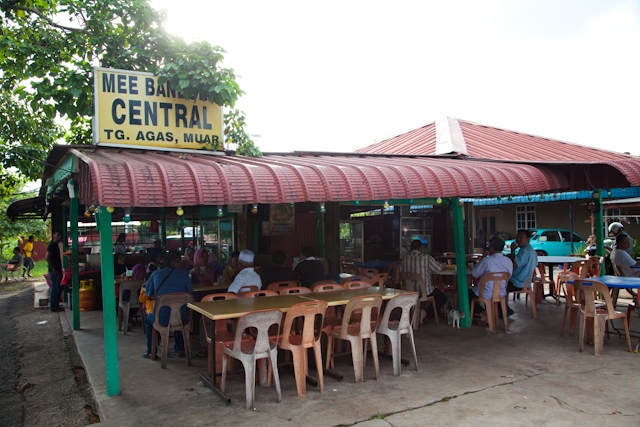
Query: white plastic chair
(394, 329)
(263, 347)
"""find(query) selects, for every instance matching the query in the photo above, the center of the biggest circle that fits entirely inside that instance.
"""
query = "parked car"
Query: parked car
(552, 242)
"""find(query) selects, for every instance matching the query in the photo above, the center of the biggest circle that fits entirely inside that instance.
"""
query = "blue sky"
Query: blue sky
(339, 75)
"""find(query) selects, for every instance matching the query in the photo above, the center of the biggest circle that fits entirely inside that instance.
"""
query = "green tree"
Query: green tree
(48, 49)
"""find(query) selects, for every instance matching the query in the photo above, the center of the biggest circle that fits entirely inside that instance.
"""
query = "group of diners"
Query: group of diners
(178, 275)
(519, 265)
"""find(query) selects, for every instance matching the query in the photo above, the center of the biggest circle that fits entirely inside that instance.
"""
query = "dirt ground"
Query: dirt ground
(42, 378)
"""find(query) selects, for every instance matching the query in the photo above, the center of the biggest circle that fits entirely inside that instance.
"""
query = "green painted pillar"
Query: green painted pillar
(108, 302)
(461, 262)
(599, 225)
(75, 281)
(320, 229)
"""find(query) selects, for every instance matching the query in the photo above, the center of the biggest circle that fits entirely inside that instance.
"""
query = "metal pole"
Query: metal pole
(571, 225)
(109, 302)
(320, 229)
(461, 261)
(75, 278)
(599, 229)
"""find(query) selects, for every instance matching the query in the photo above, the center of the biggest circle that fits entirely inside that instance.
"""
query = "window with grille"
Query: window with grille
(526, 217)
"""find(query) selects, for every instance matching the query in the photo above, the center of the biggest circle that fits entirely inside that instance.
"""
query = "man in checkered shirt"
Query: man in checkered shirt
(424, 265)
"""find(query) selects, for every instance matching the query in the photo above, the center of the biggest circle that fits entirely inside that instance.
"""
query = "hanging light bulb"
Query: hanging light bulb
(530, 197)
(126, 218)
(510, 198)
(87, 213)
(254, 209)
(110, 209)
(92, 208)
(356, 203)
(220, 211)
(499, 197)
(555, 195)
(179, 211)
(322, 209)
(292, 205)
(410, 201)
(609, 193)
(438, 200)
(386, 204)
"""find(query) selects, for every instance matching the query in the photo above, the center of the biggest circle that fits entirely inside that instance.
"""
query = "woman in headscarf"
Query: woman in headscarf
(202, 271)
(138, 271)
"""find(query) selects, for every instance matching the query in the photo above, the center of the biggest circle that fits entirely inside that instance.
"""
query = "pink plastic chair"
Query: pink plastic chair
(356, 332)
(278, 286)
(174, 301)
(298, 290)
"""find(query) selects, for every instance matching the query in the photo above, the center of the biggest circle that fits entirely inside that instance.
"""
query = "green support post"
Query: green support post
(108, 302)
(461, 262)
(599, 222)
(75, 278)
(320, 229)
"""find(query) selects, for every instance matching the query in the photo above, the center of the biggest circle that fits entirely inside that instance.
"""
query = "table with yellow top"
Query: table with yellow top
(235, 308)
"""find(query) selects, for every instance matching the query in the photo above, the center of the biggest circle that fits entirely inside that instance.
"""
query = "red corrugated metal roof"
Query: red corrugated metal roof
(490, 143)
(145, 179)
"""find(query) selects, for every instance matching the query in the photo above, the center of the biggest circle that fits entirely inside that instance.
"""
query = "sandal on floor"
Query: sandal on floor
(178, 353)
(146, 356)
(202, 353)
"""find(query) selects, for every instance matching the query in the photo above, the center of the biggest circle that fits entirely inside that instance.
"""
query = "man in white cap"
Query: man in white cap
(617, 229)
(247, 275)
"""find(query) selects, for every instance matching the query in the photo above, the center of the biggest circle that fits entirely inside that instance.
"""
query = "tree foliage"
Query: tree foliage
(48, 49)
(236, 136)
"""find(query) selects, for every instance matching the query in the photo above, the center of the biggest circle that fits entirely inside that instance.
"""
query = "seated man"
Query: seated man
(524, 262)
(424, 265)
(14, 263)
(247, 275)
(621, 258)
(229, 274)
(309, 270)
(170, 279)
(276, 272)
(156, 253)
(494, 263)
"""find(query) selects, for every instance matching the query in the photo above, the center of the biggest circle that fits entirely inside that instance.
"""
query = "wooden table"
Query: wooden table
(235, 308)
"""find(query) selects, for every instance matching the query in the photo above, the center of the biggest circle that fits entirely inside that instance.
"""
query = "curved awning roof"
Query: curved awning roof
(137, 178)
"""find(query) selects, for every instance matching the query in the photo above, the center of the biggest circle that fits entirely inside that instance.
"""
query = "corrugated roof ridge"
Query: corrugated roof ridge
(375, 144)
(600, 150)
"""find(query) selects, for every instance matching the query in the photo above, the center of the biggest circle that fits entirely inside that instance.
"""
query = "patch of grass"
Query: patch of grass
(39, 269)
(379, 416)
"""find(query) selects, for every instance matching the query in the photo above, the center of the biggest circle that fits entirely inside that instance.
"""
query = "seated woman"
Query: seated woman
(202, 271)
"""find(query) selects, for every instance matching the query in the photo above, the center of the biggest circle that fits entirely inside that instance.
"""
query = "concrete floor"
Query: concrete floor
(530, 376)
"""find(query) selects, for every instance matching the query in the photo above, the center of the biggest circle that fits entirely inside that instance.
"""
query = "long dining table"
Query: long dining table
(236, 308)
